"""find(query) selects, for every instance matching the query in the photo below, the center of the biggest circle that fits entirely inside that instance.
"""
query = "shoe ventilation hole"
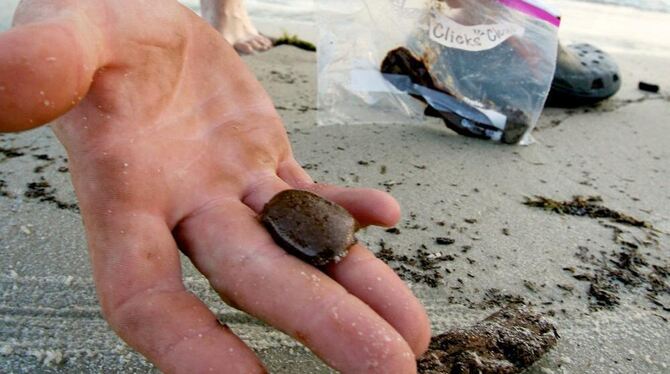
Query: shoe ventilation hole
(596, 61)
(597, 84)
(615, 78)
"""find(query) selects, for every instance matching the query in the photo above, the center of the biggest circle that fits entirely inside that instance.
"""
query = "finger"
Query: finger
(47, 63)
(368, 206)
(360, 272)
(292, 173)
(377, 285)
(231, 248)
(138, 278)
(260, 192)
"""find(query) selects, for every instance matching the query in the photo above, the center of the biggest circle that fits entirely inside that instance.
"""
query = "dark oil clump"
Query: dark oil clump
(506, 342)
(309, 227)
(401, 61)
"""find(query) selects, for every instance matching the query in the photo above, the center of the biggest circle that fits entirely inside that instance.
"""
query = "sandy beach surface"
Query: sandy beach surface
(604, 283)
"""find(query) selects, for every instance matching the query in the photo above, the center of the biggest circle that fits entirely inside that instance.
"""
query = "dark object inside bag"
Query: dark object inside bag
(411, 75)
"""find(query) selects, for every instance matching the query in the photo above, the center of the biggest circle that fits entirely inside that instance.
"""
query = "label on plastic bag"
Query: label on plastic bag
(452, 34)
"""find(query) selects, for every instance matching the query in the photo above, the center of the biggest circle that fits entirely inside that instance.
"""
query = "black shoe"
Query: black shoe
(584, 75)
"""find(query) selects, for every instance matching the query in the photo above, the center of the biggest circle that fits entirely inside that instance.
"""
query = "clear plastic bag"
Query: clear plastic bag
(483, 66)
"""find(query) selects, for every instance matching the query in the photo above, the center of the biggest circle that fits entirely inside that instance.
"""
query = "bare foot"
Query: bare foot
(230, 17)
(174, 146)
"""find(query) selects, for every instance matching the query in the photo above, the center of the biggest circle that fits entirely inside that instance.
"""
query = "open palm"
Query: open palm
(174, 146)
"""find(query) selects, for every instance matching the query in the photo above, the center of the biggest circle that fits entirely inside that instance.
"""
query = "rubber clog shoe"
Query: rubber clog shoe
(584, 75)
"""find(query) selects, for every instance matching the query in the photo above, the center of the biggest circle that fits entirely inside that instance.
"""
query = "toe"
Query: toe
(259, 45)
(244, 48)
(255, 44)
(265, 41)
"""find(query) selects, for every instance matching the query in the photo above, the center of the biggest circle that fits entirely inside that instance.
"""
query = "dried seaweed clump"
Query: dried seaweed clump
(295, 41)
(585, 206)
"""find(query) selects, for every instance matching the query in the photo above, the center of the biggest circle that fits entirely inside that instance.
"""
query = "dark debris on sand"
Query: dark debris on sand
(43, 192)
(630, 266)
(422, 267)
(506, 342)
(11, 152)
(494, 297)
(585, 206)
(3, 189)
(445, 241)
(626, 268)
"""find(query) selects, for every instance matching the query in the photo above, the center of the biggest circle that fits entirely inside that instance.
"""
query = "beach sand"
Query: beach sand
(449, 186)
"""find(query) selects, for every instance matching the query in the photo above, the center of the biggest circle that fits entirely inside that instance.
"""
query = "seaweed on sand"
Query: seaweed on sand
(585, 206)
(295, 41)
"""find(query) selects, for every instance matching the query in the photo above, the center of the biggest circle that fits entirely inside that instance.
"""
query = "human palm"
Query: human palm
(174, 146)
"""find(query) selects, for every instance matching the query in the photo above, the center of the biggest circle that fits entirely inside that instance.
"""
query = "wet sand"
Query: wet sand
(470, 192)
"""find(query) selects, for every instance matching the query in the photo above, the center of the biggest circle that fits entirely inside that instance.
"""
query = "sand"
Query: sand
(505, 251)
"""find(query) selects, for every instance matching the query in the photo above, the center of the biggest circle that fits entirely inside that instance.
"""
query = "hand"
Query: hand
(174, 145)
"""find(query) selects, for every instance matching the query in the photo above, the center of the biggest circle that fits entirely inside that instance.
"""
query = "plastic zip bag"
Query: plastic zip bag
(483, 66)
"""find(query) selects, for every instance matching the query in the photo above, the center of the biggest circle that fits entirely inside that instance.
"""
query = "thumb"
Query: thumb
(46, 65)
